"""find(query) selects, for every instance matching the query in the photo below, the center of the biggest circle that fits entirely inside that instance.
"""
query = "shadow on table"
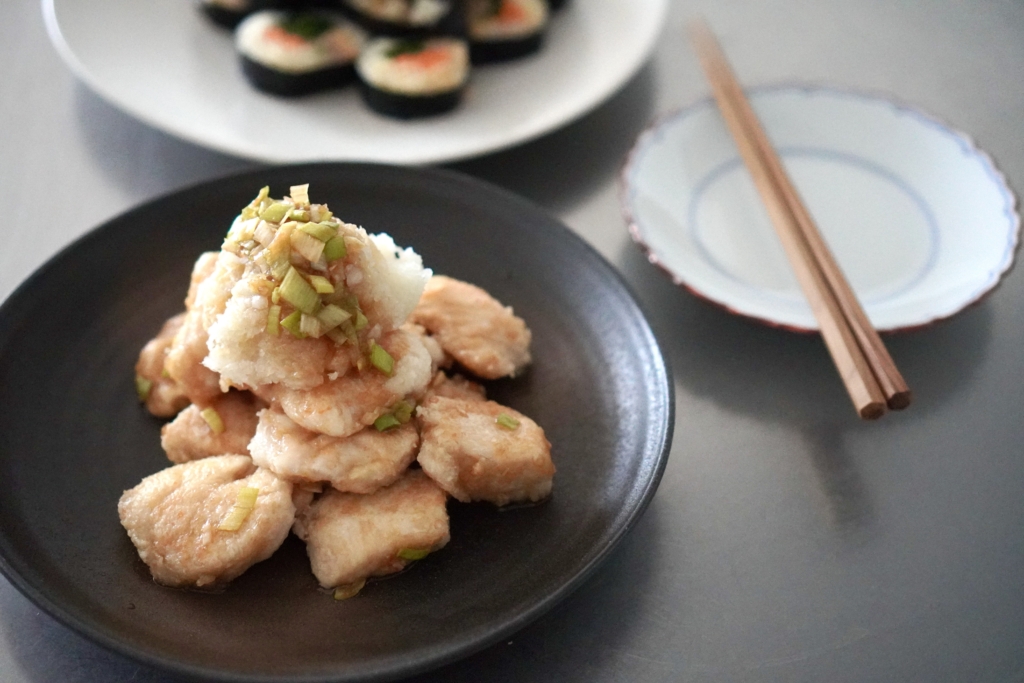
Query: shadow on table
(788, 379)
(565, 167)
(144, 161)
(46, 651)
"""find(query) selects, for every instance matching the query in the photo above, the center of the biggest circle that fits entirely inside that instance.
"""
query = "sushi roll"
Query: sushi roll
(227, 13)
(291, 54)
(500, 30)
(407, 78)
(407, 18)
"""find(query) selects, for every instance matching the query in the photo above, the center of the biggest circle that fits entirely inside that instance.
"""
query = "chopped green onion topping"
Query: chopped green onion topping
(349, 590)
(386, 421)
(321, 231)
(300, 215)
(275, 296)
(337, 336)
(273, 320)
(279, 268)
(403, 411)
(307, 245)
(274, 213)
(335, 248)
(321, 284)
(299, 293)
(300, 193)
(413, 553)
(293, 323)
(325, 213)
(244, 504)
(310, 326)
(331, 316)
(361, 320)
(507, 421)
(212, 418)
(381, 359)
(142, 387)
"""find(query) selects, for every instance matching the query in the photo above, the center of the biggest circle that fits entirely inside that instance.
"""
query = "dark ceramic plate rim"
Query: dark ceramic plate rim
(459, 648)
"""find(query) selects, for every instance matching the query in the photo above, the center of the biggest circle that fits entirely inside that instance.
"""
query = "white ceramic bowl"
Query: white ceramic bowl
(920, 220)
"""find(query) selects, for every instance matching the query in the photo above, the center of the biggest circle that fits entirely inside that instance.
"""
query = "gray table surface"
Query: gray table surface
(788, 542)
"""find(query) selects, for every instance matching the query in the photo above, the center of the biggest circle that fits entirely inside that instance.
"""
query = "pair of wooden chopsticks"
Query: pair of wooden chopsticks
(868, 371)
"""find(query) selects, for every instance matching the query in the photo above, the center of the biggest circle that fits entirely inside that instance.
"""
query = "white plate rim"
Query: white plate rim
(550, 121)
(648, 136)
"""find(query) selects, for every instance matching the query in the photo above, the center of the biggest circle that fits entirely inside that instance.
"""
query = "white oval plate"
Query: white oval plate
(163, 62)
(919, 219)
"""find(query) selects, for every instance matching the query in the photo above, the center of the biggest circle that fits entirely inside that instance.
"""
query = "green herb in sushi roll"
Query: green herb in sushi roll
(293, 54)
(408, 78)
(407, 18)
(500, 30)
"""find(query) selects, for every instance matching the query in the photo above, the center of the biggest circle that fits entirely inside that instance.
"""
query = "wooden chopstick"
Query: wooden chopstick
(868, 371)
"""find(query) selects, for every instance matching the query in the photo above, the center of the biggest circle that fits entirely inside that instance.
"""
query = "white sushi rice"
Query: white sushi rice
(337, 46)
(393, 75)
(412, 12)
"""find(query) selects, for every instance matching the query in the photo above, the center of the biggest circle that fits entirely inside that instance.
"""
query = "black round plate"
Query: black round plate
(73, 437)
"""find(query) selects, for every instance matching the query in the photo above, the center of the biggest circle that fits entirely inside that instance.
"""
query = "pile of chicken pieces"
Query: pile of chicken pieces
(276, 431)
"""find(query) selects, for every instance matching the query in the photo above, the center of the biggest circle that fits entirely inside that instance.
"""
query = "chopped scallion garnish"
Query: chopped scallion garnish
(274, 213)
(335, 248)
(507, 421)
(403, 411)
(273, 320)
(292, 323)
(386, 421)
(142, 387)
(300, 194)
(381, 359)
(349, 590)
(331, 316)
(245, 502)
(413, 553)
(321, 231)
(321, 284)
(361, 320)
(310, 326)
(212, 418)
(310, 247)
(299, 293)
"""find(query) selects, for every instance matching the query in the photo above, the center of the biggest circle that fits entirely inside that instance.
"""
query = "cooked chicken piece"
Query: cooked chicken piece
(174, 517)
(480, 450)
(455, 386)
(191, 437)
(350, 537)
(343, 406)
(203, 268)
(481, 334)
(164, 398)
(185, 357)
(361, 463)
(438, 357)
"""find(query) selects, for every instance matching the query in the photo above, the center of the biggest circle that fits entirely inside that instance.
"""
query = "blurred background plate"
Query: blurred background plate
(73, 437)
(165, 63)
(921, 221)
